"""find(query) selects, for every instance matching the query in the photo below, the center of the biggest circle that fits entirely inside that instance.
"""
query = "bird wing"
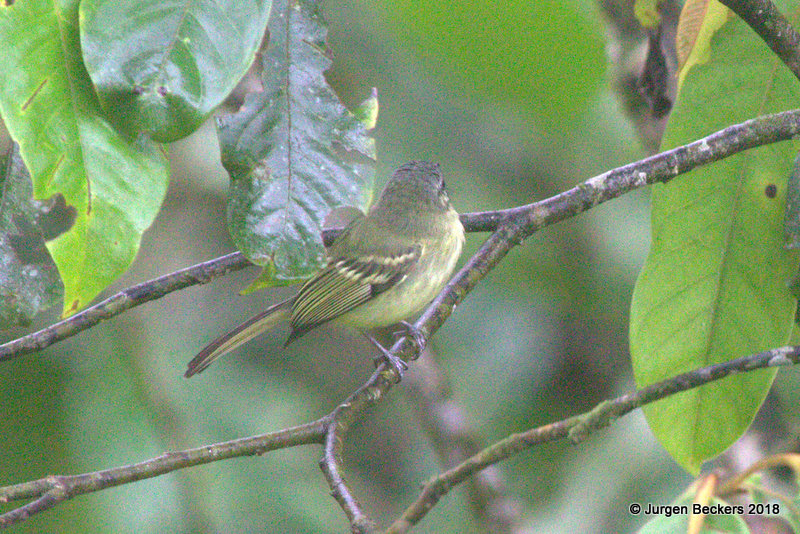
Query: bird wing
(345, 283)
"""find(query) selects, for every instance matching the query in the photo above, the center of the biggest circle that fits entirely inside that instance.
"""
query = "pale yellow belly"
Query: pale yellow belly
(414, 292)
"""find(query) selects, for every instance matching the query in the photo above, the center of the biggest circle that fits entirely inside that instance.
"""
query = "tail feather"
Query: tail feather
(238, 336)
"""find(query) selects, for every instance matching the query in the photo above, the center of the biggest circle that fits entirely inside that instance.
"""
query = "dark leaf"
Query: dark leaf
(293, 151)
(29, 281)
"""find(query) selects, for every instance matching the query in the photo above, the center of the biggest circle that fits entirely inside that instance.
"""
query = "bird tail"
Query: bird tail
(238, 336)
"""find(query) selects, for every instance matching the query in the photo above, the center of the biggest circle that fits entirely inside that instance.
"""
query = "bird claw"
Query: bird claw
(388, 358)
(414, 332)
(394, 362)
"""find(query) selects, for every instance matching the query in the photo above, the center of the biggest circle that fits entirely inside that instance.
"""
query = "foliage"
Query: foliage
(161, 67)
(714, 286)
(114, 184)
(293, 151)
(28, 278)
(513, 103)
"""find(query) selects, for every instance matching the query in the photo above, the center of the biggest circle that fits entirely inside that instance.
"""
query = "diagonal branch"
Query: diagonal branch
(52, 490)
(527, 219)
(519, 223)
(770, 24)
(512, 226)
(339, 422)
(453, 437)
(578, 427)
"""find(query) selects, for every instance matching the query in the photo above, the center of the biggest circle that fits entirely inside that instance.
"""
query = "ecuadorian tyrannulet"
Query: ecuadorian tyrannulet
(385, 267)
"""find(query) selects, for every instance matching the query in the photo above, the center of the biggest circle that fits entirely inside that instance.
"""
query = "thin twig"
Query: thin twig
(454, 440)
(770, 24)
(578, 427)
(519, 223)
(54, 489)
(338, 424)
(126, 299)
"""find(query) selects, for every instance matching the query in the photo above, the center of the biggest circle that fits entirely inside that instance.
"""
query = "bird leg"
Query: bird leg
(413, 331)
(390, 359)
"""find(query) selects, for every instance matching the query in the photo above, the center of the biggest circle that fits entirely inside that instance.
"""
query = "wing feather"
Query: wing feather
(346, 283)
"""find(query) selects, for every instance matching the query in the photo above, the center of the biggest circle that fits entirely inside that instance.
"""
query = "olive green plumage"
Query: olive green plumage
(386, 266)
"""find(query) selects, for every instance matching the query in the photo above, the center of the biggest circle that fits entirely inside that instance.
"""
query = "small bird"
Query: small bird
(384, 267)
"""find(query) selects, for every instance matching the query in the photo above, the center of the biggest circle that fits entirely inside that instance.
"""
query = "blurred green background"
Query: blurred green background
(517, 102)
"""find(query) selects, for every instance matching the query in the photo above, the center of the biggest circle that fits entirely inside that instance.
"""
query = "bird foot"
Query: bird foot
(390, 359)
(414, 332)
(387, 357)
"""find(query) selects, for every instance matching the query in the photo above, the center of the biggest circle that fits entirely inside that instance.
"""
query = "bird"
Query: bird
(385, 267)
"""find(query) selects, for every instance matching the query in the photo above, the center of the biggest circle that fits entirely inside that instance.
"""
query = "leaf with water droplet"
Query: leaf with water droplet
(293, 151)
(161, 68)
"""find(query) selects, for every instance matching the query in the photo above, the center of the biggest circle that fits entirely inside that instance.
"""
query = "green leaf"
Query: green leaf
(161, 67)
(29, 281)
(293, 151)
(646, 12)
(791, 515)
(115, 185)
(791, 219)
(791, 225)
(713, 287)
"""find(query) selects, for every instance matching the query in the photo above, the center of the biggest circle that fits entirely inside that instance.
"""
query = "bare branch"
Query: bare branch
(454, 441)
(201, 273)
(770, 24)
(55, 489)
(516, 223)
(339, 422)
(578, 427)
(512, 226)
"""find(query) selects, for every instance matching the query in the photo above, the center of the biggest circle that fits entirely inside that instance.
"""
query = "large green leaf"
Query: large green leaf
(114, 184)
(714, 286)
(791, 219)
(293, 151)
(162, 66)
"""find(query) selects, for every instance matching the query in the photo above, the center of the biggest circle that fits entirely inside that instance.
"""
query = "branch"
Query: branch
(578, 427)
(511, 226)
(770, 24)
(338, 423)
(126, 299)
(518, 222)
(54, 489)
(490, 253)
